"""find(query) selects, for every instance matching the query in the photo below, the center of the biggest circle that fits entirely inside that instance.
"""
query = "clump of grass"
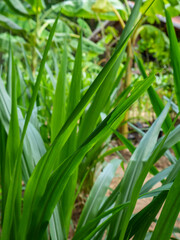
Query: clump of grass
(51, 176)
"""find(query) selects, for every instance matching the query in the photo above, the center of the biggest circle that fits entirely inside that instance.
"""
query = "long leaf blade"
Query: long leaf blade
(97, 193)
(11, 156)
(174, 53)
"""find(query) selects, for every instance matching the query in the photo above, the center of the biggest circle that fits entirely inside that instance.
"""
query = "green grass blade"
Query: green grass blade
(110, 200)
(174, 53)
(97, 193)
(141, 178)
(13, 206)
(128, 143)
(33, 146)
(67, 199)
(156, 192)
(57, 121)
(75, 88)
(174, 106)
(103, 97)
(157, 178)
(158, 106)
(38, 80)
(9, 75)
(59, 102)
(3, 140)
(135, 169)
(56, 229)
(21, 89)
(92, 115)
(13, 142)
(27, 65)
(55, 61)
(132, 19)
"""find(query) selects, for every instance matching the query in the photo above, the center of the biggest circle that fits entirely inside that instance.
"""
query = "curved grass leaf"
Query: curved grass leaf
(136, 168)
(157, 178)
(128, 143)
(156, 191)
(38, 80)
(138, 185)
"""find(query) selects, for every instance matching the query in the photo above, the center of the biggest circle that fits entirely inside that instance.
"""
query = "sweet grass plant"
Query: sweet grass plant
(50, 175)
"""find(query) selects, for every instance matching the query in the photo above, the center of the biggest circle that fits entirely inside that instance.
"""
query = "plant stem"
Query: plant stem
(119, 17)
